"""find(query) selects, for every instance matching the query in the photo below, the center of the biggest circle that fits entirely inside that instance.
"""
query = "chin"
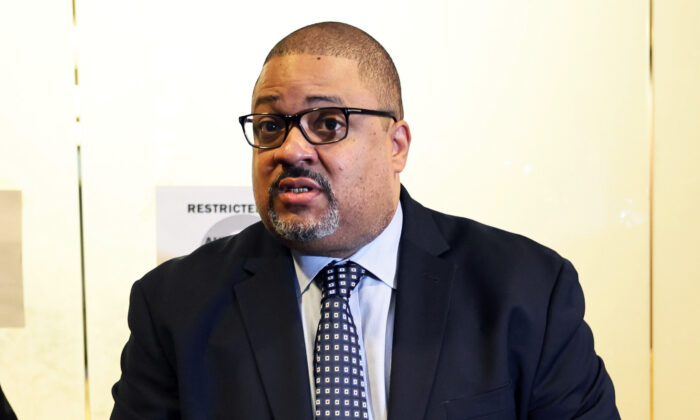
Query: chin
(303, 231)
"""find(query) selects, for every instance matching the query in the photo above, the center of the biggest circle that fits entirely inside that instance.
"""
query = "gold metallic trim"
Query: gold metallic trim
(82, 284)
(651, 206)
(81, 228)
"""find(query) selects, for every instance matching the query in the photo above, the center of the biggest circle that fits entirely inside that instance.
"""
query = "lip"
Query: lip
(298, 191)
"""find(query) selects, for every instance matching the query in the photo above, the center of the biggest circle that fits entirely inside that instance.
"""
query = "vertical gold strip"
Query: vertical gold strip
(82, 283)
(651, 208)
(80, 216)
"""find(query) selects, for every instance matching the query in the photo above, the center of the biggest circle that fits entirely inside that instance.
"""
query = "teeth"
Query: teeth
(299, 190)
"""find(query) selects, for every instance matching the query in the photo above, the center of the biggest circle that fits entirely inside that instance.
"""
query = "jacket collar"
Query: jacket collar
(270, 312)
(422, 298)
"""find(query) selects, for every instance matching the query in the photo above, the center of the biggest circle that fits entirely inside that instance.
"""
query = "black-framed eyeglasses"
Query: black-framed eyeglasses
(318, 125)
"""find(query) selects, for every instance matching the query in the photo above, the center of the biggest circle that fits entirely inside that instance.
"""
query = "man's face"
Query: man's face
(326, 199)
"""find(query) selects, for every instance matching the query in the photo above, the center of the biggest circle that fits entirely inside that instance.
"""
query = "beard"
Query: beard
(304, 231)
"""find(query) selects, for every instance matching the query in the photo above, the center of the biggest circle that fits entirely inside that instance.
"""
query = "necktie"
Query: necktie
(340, 380)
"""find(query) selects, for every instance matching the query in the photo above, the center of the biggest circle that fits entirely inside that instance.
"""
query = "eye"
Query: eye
(267, 130)
(267, 126)
(327, 123)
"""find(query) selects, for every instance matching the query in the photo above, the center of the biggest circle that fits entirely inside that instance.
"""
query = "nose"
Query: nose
(296, 148)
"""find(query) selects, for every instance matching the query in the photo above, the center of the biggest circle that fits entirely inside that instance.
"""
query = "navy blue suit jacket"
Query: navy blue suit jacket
(488, 325)
(6, 412)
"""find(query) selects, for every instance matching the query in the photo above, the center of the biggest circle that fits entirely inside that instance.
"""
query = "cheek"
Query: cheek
(262, 165)
(260, 176)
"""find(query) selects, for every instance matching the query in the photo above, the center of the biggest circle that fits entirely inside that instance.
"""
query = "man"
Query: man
(353, 300)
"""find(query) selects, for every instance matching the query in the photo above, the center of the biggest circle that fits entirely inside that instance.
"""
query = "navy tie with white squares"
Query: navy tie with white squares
(338, 373)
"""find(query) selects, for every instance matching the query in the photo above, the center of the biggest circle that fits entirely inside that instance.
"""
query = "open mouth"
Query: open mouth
(297, 185)
(295, 190)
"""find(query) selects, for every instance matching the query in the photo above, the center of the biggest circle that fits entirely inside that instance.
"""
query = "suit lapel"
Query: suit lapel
(270, 312)
(422, 296)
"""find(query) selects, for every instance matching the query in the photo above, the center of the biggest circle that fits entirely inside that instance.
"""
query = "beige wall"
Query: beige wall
(41, 364)
(676, 188)
(543, 130)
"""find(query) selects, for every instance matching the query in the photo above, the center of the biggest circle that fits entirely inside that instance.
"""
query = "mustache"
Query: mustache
(289, 171)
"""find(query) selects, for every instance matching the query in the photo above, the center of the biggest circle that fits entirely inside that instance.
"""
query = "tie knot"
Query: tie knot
(339, 280)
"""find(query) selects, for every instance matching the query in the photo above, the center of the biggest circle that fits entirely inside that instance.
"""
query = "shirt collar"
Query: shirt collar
(379, 257)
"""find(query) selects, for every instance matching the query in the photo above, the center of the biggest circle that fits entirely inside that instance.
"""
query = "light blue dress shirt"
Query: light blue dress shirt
(371, 305)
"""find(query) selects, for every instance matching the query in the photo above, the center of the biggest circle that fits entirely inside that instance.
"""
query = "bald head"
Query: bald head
(335, 39)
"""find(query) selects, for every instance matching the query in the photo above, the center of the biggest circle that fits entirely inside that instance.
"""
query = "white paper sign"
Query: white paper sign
(188, 217)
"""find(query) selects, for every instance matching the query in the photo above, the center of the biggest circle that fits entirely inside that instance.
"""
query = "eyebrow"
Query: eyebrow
(334, 99)
(269, 99)
(309, 100)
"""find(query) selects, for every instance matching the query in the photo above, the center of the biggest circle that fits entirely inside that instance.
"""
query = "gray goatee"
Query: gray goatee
(300, 231)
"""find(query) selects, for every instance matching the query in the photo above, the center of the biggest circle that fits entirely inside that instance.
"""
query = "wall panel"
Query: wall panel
(676, 253)
(41, 364)
(528, 115)
(547, 135)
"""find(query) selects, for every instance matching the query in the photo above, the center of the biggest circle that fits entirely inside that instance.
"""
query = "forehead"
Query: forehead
(303, 80)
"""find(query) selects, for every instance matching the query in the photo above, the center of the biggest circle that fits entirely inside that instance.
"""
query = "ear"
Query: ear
(400, 135)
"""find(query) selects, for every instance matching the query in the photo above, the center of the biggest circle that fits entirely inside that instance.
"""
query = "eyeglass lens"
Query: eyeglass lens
(319, 126)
